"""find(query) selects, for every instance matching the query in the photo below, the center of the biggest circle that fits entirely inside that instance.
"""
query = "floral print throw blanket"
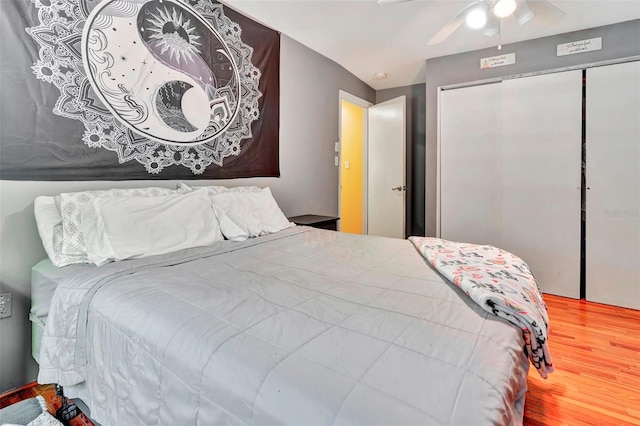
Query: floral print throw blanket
(498, 281)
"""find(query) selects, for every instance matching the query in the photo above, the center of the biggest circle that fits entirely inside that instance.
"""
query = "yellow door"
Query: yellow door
(351, 167)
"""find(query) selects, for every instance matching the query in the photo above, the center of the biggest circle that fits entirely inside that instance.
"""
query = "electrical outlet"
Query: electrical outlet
(5, 305)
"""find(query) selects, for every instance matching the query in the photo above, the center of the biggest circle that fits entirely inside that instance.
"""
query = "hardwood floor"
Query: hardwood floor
(596, 355)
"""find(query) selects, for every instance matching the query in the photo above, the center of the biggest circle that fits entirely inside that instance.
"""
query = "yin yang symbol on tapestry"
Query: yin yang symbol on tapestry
(161, 70)
(171, 82)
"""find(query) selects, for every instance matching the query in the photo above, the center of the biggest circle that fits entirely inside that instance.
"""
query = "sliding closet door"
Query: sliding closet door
(469, 153)
(541, 176)
(613, 182)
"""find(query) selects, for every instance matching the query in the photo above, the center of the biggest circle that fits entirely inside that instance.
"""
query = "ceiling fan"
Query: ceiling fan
(486, 15)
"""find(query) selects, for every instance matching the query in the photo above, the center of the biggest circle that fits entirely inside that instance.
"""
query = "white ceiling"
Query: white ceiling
(366, 37)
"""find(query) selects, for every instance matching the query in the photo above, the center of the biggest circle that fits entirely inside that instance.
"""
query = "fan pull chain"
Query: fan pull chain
(499, 34)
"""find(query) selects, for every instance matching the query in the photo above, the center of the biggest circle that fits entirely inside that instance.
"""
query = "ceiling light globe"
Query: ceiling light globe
(504, 8)
(476, 18)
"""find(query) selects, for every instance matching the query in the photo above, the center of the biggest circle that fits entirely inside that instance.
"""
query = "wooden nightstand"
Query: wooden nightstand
(316, 221)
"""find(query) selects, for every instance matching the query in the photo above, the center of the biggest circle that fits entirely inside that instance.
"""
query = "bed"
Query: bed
(302, 326)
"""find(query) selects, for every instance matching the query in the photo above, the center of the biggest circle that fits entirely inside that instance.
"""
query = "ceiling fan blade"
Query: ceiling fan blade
(523, 12)
(452, 25)
(447, 30)
(546, 12)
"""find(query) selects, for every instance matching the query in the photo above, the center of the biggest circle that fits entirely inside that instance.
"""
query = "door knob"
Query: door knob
(399, 188)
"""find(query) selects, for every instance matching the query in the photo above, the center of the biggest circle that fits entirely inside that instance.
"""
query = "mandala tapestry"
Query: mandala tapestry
(136, 89)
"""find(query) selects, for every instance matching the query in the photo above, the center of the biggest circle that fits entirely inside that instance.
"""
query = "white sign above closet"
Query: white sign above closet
(498, 61)
(580, 46)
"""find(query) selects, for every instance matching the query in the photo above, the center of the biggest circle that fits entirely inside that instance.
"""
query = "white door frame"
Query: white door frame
(345, 96)
(438, 167)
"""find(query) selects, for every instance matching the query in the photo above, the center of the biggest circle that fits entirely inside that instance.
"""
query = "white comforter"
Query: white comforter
(301, 327)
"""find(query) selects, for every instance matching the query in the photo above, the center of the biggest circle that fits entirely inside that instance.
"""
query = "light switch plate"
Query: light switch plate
(5, 305)
(337, 146)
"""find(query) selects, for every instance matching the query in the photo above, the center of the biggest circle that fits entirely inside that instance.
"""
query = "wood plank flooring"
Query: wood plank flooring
(595, 350)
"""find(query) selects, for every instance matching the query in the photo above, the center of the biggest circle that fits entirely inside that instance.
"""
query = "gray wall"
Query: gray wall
(618, 41)
(309, 85)
(415, 152)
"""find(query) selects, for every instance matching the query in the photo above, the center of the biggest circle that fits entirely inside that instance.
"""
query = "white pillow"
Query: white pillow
(49, 223)
(215, 189)
(47, 216)
(245, 215)
(118, 228)
(71, 205)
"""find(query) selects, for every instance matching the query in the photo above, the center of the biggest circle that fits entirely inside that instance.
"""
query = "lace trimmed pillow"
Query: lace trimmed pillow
(49, 222)
(72, 246)
(217, 189)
